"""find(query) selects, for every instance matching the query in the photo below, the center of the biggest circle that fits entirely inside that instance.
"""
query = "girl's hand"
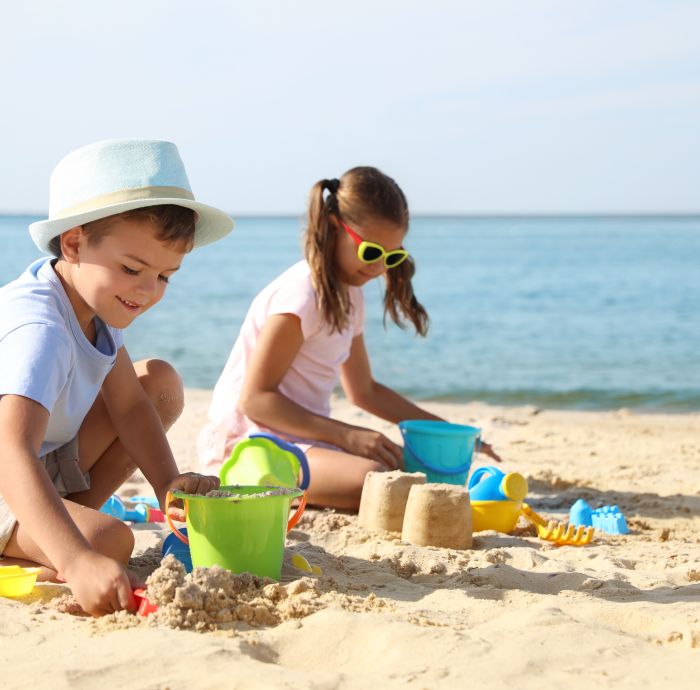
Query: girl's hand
(375, 446)
(487, 449)
(189, 483)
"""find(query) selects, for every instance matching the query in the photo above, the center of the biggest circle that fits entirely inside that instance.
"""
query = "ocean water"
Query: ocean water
(570, 312)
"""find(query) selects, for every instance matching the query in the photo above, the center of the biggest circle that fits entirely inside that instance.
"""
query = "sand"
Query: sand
(512, 611)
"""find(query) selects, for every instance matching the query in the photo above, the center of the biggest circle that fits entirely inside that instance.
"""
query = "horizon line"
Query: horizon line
(455, 215)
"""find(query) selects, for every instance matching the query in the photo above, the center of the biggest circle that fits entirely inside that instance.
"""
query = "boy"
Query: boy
(77, 417)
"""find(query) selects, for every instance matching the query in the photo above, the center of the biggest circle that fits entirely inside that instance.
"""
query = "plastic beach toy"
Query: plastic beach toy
(16, 581)
(266, 460)
(141, 512)
(145, 606)
(608, 519)
(150, 501)
(496, 498)
(300, 563)
(115, 507)
(491, 484)
(442, 451)
(501, 516)
(559, 533)
(174, 547)
(244, 532)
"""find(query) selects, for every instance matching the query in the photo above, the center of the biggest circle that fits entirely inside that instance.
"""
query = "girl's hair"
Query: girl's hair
(362, 194)
(174, 225)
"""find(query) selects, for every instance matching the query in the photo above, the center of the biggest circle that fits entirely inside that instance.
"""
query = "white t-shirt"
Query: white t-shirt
(44, 354)
(310, 379)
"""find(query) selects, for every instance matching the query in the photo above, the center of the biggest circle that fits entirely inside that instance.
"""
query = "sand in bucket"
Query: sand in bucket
(240, 528)
(441, 450)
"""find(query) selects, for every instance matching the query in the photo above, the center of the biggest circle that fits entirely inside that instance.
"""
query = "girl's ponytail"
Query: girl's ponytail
(319, 248)
(400, 302)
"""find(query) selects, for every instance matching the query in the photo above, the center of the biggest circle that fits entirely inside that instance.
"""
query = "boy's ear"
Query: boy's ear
(70, 244)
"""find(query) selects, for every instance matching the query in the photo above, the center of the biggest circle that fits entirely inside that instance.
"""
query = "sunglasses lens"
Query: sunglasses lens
(394, 258)
(371, 254)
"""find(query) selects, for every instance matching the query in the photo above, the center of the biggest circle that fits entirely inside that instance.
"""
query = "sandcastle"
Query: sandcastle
(384, 497)
(425, 514)
(438, 515)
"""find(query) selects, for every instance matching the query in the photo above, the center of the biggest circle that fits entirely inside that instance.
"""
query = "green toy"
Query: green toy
(242, 532)
(265, 460)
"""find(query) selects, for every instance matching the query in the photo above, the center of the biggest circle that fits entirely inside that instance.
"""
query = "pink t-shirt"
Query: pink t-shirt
(310, 379)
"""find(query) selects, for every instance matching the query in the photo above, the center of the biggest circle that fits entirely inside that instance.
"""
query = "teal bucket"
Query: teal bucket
(442, 451)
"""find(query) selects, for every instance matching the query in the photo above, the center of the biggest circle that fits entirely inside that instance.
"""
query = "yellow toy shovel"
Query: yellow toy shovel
(559, 533)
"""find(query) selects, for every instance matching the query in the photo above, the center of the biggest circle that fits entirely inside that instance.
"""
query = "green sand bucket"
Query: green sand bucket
(442, 451)
(242, 533)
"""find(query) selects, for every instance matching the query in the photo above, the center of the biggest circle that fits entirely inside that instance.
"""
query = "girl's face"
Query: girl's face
(350, 268)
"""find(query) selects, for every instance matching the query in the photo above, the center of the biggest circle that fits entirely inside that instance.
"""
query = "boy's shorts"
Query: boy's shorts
(64, 472)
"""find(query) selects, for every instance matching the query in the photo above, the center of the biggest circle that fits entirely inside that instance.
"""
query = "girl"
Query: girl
(304, 330)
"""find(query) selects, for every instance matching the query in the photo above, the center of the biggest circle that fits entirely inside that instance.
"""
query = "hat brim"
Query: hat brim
(211, 225)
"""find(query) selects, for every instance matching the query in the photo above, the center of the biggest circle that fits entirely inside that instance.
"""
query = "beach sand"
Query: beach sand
(512, 611)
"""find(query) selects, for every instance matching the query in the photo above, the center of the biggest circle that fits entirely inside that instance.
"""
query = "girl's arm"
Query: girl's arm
(278, 344)
(140, 431)
(362, 390)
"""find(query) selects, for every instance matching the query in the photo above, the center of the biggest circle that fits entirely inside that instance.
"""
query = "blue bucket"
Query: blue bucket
(441, 450)
(173, 546)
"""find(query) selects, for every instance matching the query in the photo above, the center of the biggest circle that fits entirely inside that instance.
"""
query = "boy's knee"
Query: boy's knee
(112, 538)
(163, 386)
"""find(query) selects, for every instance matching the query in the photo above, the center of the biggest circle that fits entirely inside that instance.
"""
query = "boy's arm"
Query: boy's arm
(99, 583)
(140, 431)
(26, 486)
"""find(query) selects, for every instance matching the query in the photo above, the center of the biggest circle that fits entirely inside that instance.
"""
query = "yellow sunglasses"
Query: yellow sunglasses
(371, 252)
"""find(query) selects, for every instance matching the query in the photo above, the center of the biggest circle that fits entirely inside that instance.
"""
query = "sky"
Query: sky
(498, 107)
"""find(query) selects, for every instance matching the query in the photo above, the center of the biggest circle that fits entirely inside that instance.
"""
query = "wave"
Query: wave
(581, 399)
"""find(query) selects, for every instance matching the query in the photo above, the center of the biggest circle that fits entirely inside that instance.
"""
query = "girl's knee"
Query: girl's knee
(163, 386)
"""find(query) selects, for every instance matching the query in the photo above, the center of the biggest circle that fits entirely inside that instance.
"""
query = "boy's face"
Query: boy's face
(125, 273)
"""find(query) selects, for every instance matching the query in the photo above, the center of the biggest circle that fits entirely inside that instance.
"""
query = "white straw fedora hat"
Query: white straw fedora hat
(109, 177)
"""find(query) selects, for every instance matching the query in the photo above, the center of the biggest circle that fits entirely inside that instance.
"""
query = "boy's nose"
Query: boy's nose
(148, 286)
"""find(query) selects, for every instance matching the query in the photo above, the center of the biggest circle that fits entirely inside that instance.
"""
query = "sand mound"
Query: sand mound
(512, 611)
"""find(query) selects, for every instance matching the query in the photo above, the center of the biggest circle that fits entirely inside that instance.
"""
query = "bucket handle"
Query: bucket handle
(476, 476)
(290, 523)
(299, 512)
(440, 470)
(175, 530)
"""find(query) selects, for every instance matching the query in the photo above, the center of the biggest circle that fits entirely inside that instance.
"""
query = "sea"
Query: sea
(574, 312)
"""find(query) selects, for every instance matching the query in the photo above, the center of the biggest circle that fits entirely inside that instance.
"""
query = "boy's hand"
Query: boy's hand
(189, 483)
(100, 584)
